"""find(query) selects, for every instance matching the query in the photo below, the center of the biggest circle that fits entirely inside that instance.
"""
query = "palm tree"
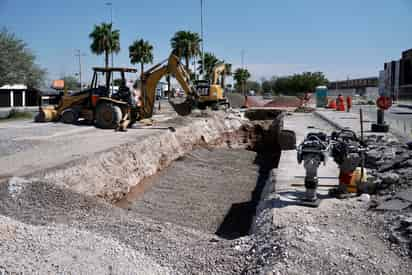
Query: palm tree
(186, 44)
(105, 41)
(241, 76)
(210, 61)
(141, 51)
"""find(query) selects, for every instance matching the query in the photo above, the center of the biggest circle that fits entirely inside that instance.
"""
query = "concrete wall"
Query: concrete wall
(344, 92)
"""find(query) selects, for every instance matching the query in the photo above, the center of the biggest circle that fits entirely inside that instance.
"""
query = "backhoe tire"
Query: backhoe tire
(108, 116)
(70, 116)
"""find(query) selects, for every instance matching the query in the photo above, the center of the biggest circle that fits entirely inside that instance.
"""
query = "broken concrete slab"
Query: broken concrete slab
(393, 205)
(405, 195)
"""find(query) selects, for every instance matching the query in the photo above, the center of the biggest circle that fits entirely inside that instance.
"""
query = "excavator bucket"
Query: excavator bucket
(47, 114)
(184, 108)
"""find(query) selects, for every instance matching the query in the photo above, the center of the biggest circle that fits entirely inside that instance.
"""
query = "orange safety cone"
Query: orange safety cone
(332, 104)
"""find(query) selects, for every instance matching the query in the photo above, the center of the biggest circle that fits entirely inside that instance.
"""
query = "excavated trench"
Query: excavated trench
(214, 188)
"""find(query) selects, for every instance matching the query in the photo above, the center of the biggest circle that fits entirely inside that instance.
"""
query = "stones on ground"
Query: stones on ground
(394, 205)
(390, 178)
(405, 195)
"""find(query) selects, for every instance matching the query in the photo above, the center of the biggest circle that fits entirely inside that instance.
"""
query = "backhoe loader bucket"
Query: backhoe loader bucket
(47, 114)
(184, 108)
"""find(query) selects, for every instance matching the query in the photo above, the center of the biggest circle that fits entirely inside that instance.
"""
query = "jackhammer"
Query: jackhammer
(348, 152)
(312, 152)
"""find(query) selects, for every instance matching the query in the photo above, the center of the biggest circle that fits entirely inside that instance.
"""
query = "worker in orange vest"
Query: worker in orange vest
(349, 103)
(340, 104)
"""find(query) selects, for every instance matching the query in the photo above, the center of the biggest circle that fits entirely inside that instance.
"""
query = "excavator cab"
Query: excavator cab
(210, 95)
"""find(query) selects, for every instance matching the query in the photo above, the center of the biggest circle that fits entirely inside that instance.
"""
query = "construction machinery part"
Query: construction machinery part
(108, 116)
(312, 152)
(97, 104)
(70, 116)
(151, 78)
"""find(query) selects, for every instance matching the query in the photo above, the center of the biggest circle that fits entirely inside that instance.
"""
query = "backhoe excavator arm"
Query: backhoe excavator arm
(152, 77)
(218, 70)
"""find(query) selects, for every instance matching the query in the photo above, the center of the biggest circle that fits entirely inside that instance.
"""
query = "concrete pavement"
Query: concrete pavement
(400, 125)
(289, 176)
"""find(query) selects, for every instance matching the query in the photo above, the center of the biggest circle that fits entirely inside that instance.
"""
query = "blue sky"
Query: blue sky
(341, 38)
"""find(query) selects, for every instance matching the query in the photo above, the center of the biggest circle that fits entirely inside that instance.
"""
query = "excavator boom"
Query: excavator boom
(152, 77)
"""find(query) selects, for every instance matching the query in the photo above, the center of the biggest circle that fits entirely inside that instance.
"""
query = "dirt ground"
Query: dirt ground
(48, 227)
(208, 189)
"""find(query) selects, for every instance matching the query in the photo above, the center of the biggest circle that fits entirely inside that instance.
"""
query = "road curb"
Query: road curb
(331, 122)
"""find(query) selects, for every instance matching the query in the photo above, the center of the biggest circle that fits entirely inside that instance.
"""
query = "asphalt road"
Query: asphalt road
(27, 147)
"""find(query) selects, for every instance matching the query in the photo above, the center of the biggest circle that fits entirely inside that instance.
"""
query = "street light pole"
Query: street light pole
(203, 40)
(79, 55)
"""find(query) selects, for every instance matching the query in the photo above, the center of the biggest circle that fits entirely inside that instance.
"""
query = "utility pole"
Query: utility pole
(203, 40)
(79, 54)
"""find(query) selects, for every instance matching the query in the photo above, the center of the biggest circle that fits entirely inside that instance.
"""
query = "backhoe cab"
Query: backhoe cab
(101, 104)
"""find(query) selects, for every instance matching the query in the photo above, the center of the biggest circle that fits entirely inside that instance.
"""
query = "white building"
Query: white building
(17, 95)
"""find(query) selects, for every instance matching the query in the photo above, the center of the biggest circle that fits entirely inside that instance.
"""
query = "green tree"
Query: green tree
(17, 62)
(299, 83)
(186, 44)
(71, 83)
(241, 76)
(105, 41)
(267, 86)
(210, 62)
(141, 51)
(253, 86)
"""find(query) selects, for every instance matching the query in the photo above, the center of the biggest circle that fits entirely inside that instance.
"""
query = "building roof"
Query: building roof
(14, 87)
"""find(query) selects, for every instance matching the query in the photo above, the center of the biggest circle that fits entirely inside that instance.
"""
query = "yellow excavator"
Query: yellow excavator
(202, 94)
(151, 78)
(212, 93)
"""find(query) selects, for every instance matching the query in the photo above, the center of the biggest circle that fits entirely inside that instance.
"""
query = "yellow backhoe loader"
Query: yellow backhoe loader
(97, 104)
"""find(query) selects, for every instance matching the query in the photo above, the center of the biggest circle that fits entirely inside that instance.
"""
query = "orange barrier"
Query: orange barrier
(332, 104)
(340, 105)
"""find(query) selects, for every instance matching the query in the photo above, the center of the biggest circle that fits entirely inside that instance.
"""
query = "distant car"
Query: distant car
(267, 96)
